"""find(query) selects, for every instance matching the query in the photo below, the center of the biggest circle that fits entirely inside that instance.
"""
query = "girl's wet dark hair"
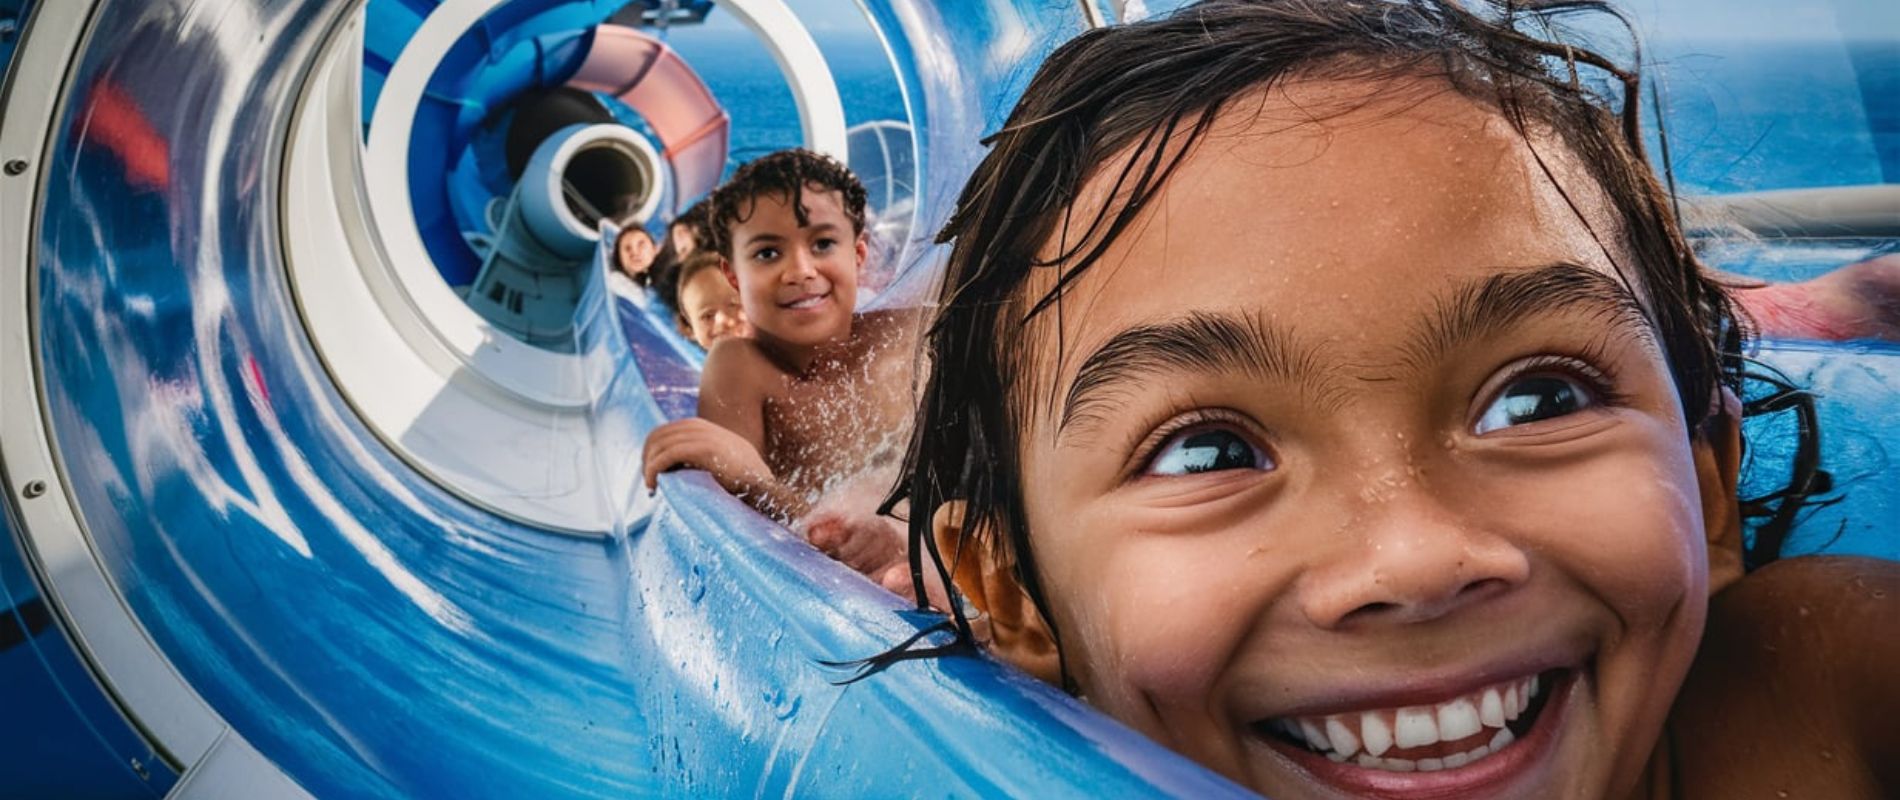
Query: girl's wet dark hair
(1131, 102)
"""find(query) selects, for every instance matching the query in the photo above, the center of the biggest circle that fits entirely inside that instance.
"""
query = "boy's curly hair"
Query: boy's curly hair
(785, 173)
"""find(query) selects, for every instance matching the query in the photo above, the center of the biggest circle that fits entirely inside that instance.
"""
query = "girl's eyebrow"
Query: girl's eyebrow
(1200, 341)
(1215, 342)
(1482, 308)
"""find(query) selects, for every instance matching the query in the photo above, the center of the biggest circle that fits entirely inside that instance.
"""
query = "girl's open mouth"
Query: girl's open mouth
(1473, 735)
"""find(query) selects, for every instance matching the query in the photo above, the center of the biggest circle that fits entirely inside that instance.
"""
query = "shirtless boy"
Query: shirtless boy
(818, 399)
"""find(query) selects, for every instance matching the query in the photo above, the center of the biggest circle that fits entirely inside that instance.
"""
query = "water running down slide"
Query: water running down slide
(276, 601)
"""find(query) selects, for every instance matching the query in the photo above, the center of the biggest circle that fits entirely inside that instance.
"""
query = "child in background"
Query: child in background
(684, 235)
(633, 259)
(817, 399)
(708, 302)
(1334, 399)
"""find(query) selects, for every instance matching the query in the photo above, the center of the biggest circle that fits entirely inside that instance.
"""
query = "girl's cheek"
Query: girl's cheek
(1170, 610)
(1622, 523)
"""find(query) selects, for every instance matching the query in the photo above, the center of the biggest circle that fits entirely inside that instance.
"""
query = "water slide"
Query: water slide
(286, 515)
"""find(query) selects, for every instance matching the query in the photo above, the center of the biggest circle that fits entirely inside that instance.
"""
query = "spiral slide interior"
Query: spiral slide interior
(283, 516)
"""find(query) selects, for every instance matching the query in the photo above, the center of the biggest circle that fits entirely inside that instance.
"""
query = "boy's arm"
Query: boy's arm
(727, 439)
(732, 389)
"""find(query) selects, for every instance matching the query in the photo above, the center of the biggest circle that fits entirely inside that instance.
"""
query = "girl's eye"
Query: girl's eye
(765, 254)
(824, 245)
(1207, 450)
(1533, 398)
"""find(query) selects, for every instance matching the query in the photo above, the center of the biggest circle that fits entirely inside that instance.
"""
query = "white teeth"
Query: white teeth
(1343, 741)
(1457, 719)
(1374, 734)
(806, 302)
(1491, 709)
(1504, 737)
(1416, 727)
(1377, 732)
(1387, 764)
(1452, 761)
(1314, 736)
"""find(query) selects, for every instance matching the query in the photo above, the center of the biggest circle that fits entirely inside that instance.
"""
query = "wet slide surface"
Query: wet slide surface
(376, 636)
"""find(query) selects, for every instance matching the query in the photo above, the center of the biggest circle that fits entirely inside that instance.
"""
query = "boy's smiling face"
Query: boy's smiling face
(798, 284)
(1355, 433)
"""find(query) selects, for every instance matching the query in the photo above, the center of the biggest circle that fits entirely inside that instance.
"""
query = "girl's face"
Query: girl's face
(635, 254)
(1359, 471)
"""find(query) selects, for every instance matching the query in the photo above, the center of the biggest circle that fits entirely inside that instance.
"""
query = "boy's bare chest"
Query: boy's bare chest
(835, 423)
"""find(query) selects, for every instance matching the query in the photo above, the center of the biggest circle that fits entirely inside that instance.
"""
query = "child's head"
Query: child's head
(690, 230)
(708, 304)
(1323, 373)
(633, 253)
(791, 227)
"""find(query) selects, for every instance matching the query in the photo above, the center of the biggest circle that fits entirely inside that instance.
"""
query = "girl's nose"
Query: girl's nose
(1412, 561)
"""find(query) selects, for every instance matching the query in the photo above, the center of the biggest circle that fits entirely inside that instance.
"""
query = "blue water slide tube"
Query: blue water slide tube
(275, 601)
(224, 574)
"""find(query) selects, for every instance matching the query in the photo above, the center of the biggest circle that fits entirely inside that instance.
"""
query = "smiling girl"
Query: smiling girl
(1330, 395)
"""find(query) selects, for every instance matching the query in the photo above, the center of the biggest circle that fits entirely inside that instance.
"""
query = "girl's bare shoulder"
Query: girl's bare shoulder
(1796, 687)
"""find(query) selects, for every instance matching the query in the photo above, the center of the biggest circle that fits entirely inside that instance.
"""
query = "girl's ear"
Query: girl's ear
(732, 278)
(988, 579)
(1718, 464)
